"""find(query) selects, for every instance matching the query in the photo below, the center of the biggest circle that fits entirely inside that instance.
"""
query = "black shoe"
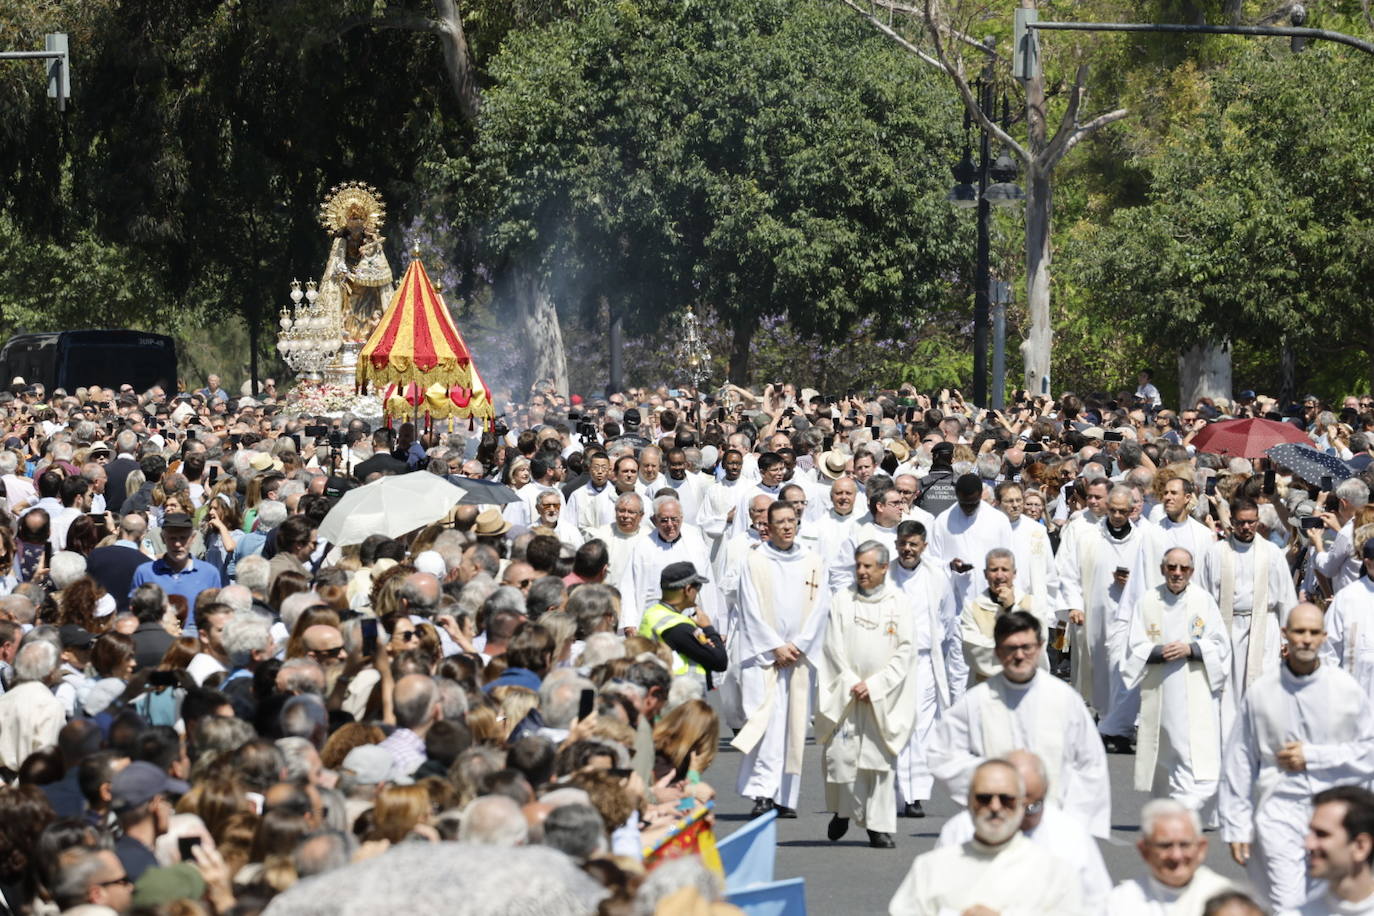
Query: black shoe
(913, 809)
(786, 813)
(761, 807)
(881, 840)
(837, 828)
(1117, 744)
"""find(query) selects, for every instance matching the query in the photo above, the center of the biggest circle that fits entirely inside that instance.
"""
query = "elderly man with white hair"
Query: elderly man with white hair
(622, 535)
(671, 541)
(1173, 847)
(1046, 824)
(30, 716)
(999, 870)
(1338, 561)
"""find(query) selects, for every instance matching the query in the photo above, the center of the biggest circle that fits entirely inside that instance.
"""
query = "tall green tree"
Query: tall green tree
(764, 157)
(1258, 219)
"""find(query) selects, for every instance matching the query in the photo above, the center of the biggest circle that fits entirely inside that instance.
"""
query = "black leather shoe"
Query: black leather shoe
(837, 828)
(786, 813)
(913, 809)
(1117, 744)
(881, 840)
(761, 807)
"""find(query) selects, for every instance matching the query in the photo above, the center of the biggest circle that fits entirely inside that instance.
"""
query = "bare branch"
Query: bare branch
(1069, 123)
(1092, 126)
(955, 72)
(966, 38)
(892, 33)
(1368, 17)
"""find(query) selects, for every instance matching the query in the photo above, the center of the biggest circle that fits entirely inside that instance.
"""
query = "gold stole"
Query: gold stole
(798, 676)
(1254, 657)
(1051, 721)
(1203, 724)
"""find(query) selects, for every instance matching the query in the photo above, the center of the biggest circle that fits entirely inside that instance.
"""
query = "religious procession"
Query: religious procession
(686, 459)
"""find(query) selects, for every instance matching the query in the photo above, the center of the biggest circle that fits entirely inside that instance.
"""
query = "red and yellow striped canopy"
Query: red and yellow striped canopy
(417, 348)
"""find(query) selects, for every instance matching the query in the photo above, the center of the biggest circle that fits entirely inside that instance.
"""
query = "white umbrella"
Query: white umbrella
(391, 506)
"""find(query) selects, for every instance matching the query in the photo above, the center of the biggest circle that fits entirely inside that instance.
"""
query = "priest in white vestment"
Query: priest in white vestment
(981, 611)
(587, 508)
(1177, 655)
(885, 508)
(671, 541)
(772, 470)
(866, 697)
(717, 510)
(1094, 575)
(687, 483)
(1178, 526)
(1300, 729)
(1030, 542)
(1173, 847)
(1026, 707)
(964, 533)
(549, 513)
(927, 587)
(784, 605)
(833, 525)
(1048, 827)
(1000, 870)
(1350, 626)
(621, 536)
(1249, 579)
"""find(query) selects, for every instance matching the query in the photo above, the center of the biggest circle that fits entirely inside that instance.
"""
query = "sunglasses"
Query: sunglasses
(983, 799)
(1177, 567)
(406, 635)
(336, 652)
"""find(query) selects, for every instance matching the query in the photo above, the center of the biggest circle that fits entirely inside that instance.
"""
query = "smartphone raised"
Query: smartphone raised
(369, 629)
(186, 845)
(1310, 522)
(1210, 487)
(1327, 483)
(586, 702)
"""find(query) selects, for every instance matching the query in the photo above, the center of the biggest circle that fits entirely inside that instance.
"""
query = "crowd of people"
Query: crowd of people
(208, 707)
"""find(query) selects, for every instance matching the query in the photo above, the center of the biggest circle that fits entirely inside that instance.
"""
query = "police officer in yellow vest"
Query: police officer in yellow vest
(697, 648)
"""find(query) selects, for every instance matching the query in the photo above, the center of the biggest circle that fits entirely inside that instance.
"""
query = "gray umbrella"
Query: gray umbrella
(441, 879)
(1309, 464)
(482, 492)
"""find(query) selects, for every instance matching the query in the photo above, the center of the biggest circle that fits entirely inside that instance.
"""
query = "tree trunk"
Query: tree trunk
(457, 57)
(1204, 371)
(539, 327)
(740, 342)
(1288, 373)
(1035, 349)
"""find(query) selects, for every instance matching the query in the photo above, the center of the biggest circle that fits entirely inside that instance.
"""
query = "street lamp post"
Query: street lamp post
(994, 186)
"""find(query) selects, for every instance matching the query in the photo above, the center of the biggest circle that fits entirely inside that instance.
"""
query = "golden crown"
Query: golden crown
(352, 199)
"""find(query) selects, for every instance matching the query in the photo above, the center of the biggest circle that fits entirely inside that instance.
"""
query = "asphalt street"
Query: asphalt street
(850, 877)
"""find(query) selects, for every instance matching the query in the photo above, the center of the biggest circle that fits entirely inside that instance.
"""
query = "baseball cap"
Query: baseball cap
(139, 782)
(75, 637)
(680, 575)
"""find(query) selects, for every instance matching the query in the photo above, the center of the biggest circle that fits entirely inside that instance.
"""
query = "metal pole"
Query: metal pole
(253, 347)
(1001, 295)
(983, 270)
(1266, 30)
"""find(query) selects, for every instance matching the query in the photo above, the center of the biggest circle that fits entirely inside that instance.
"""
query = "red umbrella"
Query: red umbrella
(1246, 438)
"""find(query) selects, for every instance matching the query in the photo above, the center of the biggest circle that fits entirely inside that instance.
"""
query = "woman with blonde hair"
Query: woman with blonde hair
(515, 703)
(689, 734)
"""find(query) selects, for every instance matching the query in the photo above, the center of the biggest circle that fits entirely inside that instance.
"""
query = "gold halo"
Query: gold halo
(352, 196)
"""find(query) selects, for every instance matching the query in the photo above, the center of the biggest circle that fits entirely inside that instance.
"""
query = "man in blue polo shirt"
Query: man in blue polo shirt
(175, 571)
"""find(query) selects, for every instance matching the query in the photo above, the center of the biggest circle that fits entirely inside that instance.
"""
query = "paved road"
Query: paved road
(850, 878)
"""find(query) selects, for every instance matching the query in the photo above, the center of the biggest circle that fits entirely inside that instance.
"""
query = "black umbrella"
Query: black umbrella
(1309, 463)
(482, 492)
